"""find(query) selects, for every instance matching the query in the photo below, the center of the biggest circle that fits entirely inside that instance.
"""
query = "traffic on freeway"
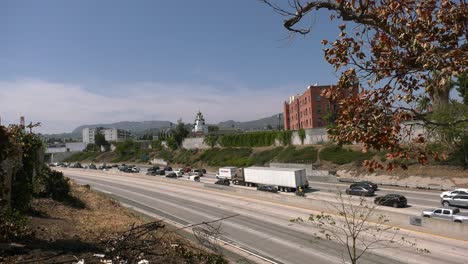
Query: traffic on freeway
(263, 227)
(411, 201)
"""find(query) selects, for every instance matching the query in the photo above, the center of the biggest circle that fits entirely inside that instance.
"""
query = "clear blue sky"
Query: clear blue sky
(202, 53)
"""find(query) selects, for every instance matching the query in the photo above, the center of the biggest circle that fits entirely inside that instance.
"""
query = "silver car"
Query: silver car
(457, 200)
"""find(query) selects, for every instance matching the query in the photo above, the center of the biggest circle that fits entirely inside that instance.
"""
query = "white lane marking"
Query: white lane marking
(250, 253)
(258, 234)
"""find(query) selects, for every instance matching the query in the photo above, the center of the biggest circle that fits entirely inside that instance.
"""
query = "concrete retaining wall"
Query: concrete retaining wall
(312, 136)
(159, 162)
(58, 157)
(194, 143)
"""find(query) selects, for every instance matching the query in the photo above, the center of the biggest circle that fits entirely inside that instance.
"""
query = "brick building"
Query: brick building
(308, 110)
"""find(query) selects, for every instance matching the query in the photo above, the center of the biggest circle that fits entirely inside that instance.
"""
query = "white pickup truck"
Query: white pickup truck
(452, 214)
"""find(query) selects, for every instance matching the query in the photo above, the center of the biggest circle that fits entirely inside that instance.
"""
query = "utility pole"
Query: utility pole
(279, 121)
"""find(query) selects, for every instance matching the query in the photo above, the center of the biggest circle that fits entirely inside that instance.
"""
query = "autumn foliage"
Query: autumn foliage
(400, 53)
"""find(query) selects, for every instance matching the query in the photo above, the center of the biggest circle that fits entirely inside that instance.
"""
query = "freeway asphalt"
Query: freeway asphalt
(260, 227)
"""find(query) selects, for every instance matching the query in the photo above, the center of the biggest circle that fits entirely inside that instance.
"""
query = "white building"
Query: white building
(110, 134)
(88, 135)
(199, 126)
(66, 147)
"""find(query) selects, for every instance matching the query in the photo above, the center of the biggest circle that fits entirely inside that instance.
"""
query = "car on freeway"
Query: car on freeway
(395, 200)
(197, 172)
(92, 166)
(360, 190)
(194, 178)
(267, 188)
(454, 192)
(153, 170)
(366, 184)
(187, 169)
(104, 167)
(179, 172)
(459, 200)
(130, 169)
(168, 168)
(171, 175)
(76, 165)
(225, 182)
(452, 214)
(203, 171)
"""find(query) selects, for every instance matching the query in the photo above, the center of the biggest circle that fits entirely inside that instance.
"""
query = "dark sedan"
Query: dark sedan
(360, 190)
(223, 182)
(171, 175)
(394, 200)
(267, 188)
(365, 184)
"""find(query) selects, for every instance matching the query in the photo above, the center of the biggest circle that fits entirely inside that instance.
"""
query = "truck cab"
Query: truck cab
(226, 173)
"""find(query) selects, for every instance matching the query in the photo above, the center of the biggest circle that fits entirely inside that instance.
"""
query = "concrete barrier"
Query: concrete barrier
(406, 185)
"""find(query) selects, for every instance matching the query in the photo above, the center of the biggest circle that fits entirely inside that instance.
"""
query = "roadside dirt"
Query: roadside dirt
(66, 232)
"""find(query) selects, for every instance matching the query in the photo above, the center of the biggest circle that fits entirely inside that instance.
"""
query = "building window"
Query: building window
(318, 98)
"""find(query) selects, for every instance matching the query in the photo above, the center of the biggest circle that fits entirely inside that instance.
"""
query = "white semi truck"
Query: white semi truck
(285, 179)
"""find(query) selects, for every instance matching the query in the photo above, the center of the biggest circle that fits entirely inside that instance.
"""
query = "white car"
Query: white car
(454, 192)
(179, 172)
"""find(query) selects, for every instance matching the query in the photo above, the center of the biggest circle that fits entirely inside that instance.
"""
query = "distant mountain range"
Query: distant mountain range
(140, 128)
(254, 124)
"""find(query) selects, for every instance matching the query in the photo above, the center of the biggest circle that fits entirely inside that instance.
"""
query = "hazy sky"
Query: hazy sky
(68, 63)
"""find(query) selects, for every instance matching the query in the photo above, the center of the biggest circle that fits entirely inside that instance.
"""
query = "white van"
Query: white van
(226, 173)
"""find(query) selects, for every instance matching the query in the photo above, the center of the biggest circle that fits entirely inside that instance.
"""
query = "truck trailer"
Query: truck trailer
(285, 179)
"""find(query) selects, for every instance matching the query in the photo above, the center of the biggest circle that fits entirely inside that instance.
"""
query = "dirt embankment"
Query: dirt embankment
(66, 232)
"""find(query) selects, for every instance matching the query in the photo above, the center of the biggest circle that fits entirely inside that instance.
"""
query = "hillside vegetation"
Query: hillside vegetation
(216, 157)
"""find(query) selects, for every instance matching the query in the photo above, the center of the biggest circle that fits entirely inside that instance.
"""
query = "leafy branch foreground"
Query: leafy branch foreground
(358, 228)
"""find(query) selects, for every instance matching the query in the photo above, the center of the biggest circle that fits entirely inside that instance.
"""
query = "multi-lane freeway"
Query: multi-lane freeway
(262, 227)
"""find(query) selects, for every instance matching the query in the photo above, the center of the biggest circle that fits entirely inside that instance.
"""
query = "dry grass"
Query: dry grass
(66, 232)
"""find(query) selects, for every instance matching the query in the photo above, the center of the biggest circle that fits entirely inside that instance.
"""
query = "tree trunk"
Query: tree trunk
(440, 98)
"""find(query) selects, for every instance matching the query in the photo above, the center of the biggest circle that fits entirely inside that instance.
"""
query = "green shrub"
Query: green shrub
(263, 157)
(57, 186)
(290, 154)
(80, 156)
(172, 143)
(211, 140)
(253, 139)
(302, 135)
(13, 226)
(340, 156)
(184, 156)
(226, 156)
(284, 137)
(156, 144)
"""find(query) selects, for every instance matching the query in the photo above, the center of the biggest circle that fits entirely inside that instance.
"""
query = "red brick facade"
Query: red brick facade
(307, 110)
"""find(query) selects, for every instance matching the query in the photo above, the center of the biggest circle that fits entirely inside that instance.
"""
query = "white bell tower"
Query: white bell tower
(199, 126)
